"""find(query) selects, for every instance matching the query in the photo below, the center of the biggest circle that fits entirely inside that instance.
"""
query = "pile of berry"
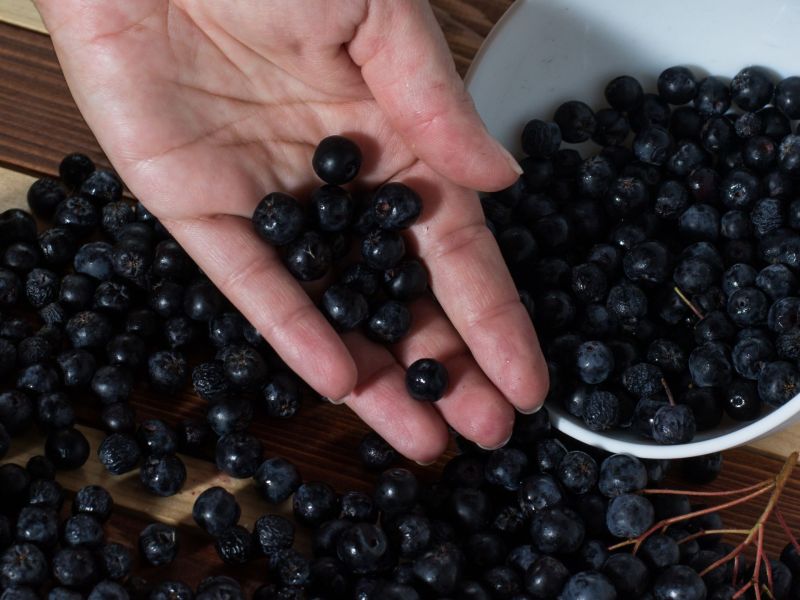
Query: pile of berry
(104, 297)
(663, 269)
(533, 520)
(371, 290)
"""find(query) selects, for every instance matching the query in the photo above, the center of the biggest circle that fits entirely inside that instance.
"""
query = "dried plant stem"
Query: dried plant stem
(688, 303)
(749, 488)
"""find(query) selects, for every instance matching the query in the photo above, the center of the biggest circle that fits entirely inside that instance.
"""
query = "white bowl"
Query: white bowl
(542, 53)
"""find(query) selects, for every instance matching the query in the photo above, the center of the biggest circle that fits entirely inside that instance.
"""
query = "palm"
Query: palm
(204, 109)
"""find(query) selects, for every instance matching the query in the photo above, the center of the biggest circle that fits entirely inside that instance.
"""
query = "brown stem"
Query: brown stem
(743, 590)
(668, 391)
(749, 488)
(759, 557)
(787, 530)
(680, 518)
(688, 303)
(705, 532)
(780, 482)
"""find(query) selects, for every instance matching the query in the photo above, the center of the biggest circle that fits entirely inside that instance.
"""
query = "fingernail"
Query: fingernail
(424, 464)
(530, 411)
(495, 447)
(512, 162)
(332, 400)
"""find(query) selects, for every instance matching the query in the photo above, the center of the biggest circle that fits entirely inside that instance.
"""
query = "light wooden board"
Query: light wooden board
(127, 491)
(21, 13)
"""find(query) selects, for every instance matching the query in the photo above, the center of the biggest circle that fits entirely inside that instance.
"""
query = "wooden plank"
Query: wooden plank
(128, 493)
(21, 13)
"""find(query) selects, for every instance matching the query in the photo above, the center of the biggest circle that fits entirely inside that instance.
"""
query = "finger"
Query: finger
(407, 65)
(380, 399)
(472, 406)
(473, 286)
(252, 277)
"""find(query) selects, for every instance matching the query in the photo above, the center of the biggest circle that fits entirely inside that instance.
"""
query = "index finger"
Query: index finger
(474, 287)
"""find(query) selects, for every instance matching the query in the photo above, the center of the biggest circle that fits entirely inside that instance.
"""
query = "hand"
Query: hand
(204, 107)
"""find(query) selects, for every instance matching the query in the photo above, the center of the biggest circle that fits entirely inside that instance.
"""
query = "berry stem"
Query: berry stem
(670, 397)
(691, 515)
(759, 558)
(743, 590)
(705, 532)
(749, 488)
(758, 529)
(688, 303)
(787, 529)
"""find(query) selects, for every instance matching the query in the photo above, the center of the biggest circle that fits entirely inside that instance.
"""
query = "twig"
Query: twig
(688, 303)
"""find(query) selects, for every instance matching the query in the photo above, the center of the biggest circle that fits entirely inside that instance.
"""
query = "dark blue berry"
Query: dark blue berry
(163, 475)
(238, 454)
(426, 380)
(158, 544)
(278, 218)
(336, 160)
(276, 479)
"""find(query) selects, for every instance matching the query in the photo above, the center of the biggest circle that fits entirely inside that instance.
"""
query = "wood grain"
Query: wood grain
(39, 123)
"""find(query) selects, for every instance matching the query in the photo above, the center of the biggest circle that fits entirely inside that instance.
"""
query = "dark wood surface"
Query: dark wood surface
(39, 123)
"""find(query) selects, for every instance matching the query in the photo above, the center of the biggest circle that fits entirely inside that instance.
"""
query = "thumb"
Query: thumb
(407, 65)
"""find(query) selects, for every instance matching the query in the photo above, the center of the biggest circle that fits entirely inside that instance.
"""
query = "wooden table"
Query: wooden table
(39, 123)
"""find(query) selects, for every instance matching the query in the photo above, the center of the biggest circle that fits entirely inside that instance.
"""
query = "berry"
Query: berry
(621, 474)
(778, 382)
(624, 93)
(83, 530)
(167, 370)
(601, 411)
(43, 197)
(238, 454)
(216, 510)
(67, 449)
(395, 206)
(577, 472)
(594, 362)
(751, 88)
(234, 545)
(201, 300)
(344, 306)
(395, 491)
(281, 396)
(629, 515)
(426, 380)
(362, 548)
(74, 169)
(336, 160)
(163, 475)
(679, 581)
(75, 567)
(273, 533)
(628, 573)
(332, 208)
(314, 503)
(278, 218)
(158, 544)
(244, 366)
(576, 121)
(540, 139)
(673, 424)
(375, 453)
(276, 479)
(308, 257)
(119, 453)
(93, 500)
(117, 560)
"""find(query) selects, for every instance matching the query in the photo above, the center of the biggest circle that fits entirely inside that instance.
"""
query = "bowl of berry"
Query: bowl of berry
(655, 231)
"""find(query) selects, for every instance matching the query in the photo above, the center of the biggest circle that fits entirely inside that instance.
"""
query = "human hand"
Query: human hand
(203, 107)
